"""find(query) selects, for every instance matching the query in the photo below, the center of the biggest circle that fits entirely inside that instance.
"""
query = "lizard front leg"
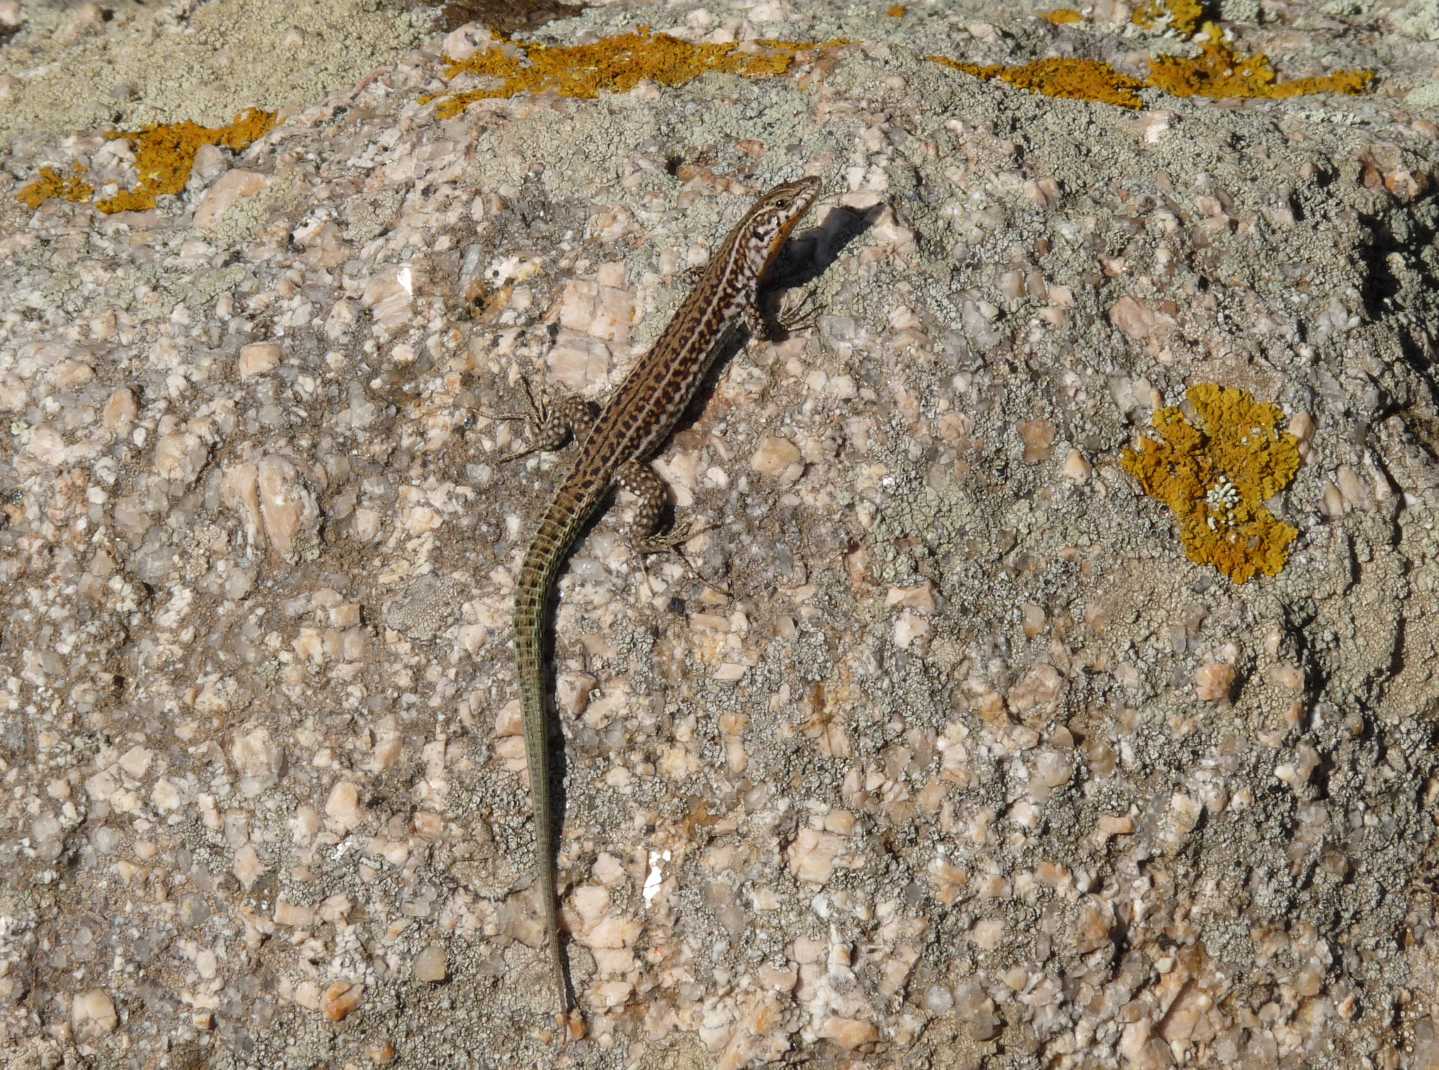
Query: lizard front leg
(550, 421)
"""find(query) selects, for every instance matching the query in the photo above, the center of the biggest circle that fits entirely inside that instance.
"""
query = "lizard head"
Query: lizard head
(773, 216)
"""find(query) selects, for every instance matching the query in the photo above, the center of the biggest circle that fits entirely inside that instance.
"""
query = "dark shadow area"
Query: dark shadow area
(1408, 232)
(505, 17)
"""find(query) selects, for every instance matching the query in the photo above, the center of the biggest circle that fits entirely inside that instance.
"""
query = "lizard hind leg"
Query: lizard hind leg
(645, 537)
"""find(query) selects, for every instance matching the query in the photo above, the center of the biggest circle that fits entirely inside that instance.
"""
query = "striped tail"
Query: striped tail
(561, 523)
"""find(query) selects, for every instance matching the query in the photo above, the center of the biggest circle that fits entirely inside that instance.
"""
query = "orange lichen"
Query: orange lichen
(164, 155)
(614, 64)
(52, 183)
(1217, 72)
(1072, 79)
(1216, 478)
(897, 11)
(1183, 15)
(1063, 16)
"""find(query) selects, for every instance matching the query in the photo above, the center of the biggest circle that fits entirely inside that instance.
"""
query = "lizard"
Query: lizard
(614, 450)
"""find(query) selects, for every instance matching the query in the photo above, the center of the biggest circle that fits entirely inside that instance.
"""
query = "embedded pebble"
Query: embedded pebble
(1214, 682)
(432, 964)
(339, 999)
(778, 459)
(258, 358)
(92, 1015)
(224, 193)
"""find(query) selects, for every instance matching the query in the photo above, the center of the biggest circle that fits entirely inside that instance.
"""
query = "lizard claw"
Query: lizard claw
(671, 542)
(549, 425)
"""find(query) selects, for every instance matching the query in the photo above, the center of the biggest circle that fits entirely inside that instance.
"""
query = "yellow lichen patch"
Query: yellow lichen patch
(1184, 15)
(897, 11)
(1063, 16)
(52, 183)
(164, 155)
(1217, 72)
(1072, 79)
(614, 64)
(1216, 477)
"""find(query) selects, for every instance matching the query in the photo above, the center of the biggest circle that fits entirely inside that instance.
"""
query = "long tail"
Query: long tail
(558, 528)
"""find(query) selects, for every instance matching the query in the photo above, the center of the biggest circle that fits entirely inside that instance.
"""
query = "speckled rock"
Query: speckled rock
(936, 748)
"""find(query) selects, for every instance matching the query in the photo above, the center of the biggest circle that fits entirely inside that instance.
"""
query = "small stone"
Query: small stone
(180, 456)
(1290, 677)
(227, 191)
(432, 964)
(938, 999)
(247, 867)
(13, 394)
(1092, 932)
(1137, 320)
(101, 786)
(611, 994)
(259, 759)
(240, 490)
(293, 914)
(286, 507)
(811, 856)
(1297, 773)
(1214, 682)
(165, 795)
(136, 761)
(92, 1015)
(388, 295)
(340, 999)
(464, 41)
(987, 934)
(1301, 426)
(343, 805)
(1049, 770)
(1184, 814)
(257, 358)
(778, 459)
(210, 162)
(921, 597)
(1110, 825)
(1356, 493)
(848, 1033)
(1076, 468)
(47, 446)
(909, 627)
(70, 374)
(1038, 439)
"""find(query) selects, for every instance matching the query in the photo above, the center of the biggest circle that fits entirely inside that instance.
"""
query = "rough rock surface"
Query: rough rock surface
(966, 764)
